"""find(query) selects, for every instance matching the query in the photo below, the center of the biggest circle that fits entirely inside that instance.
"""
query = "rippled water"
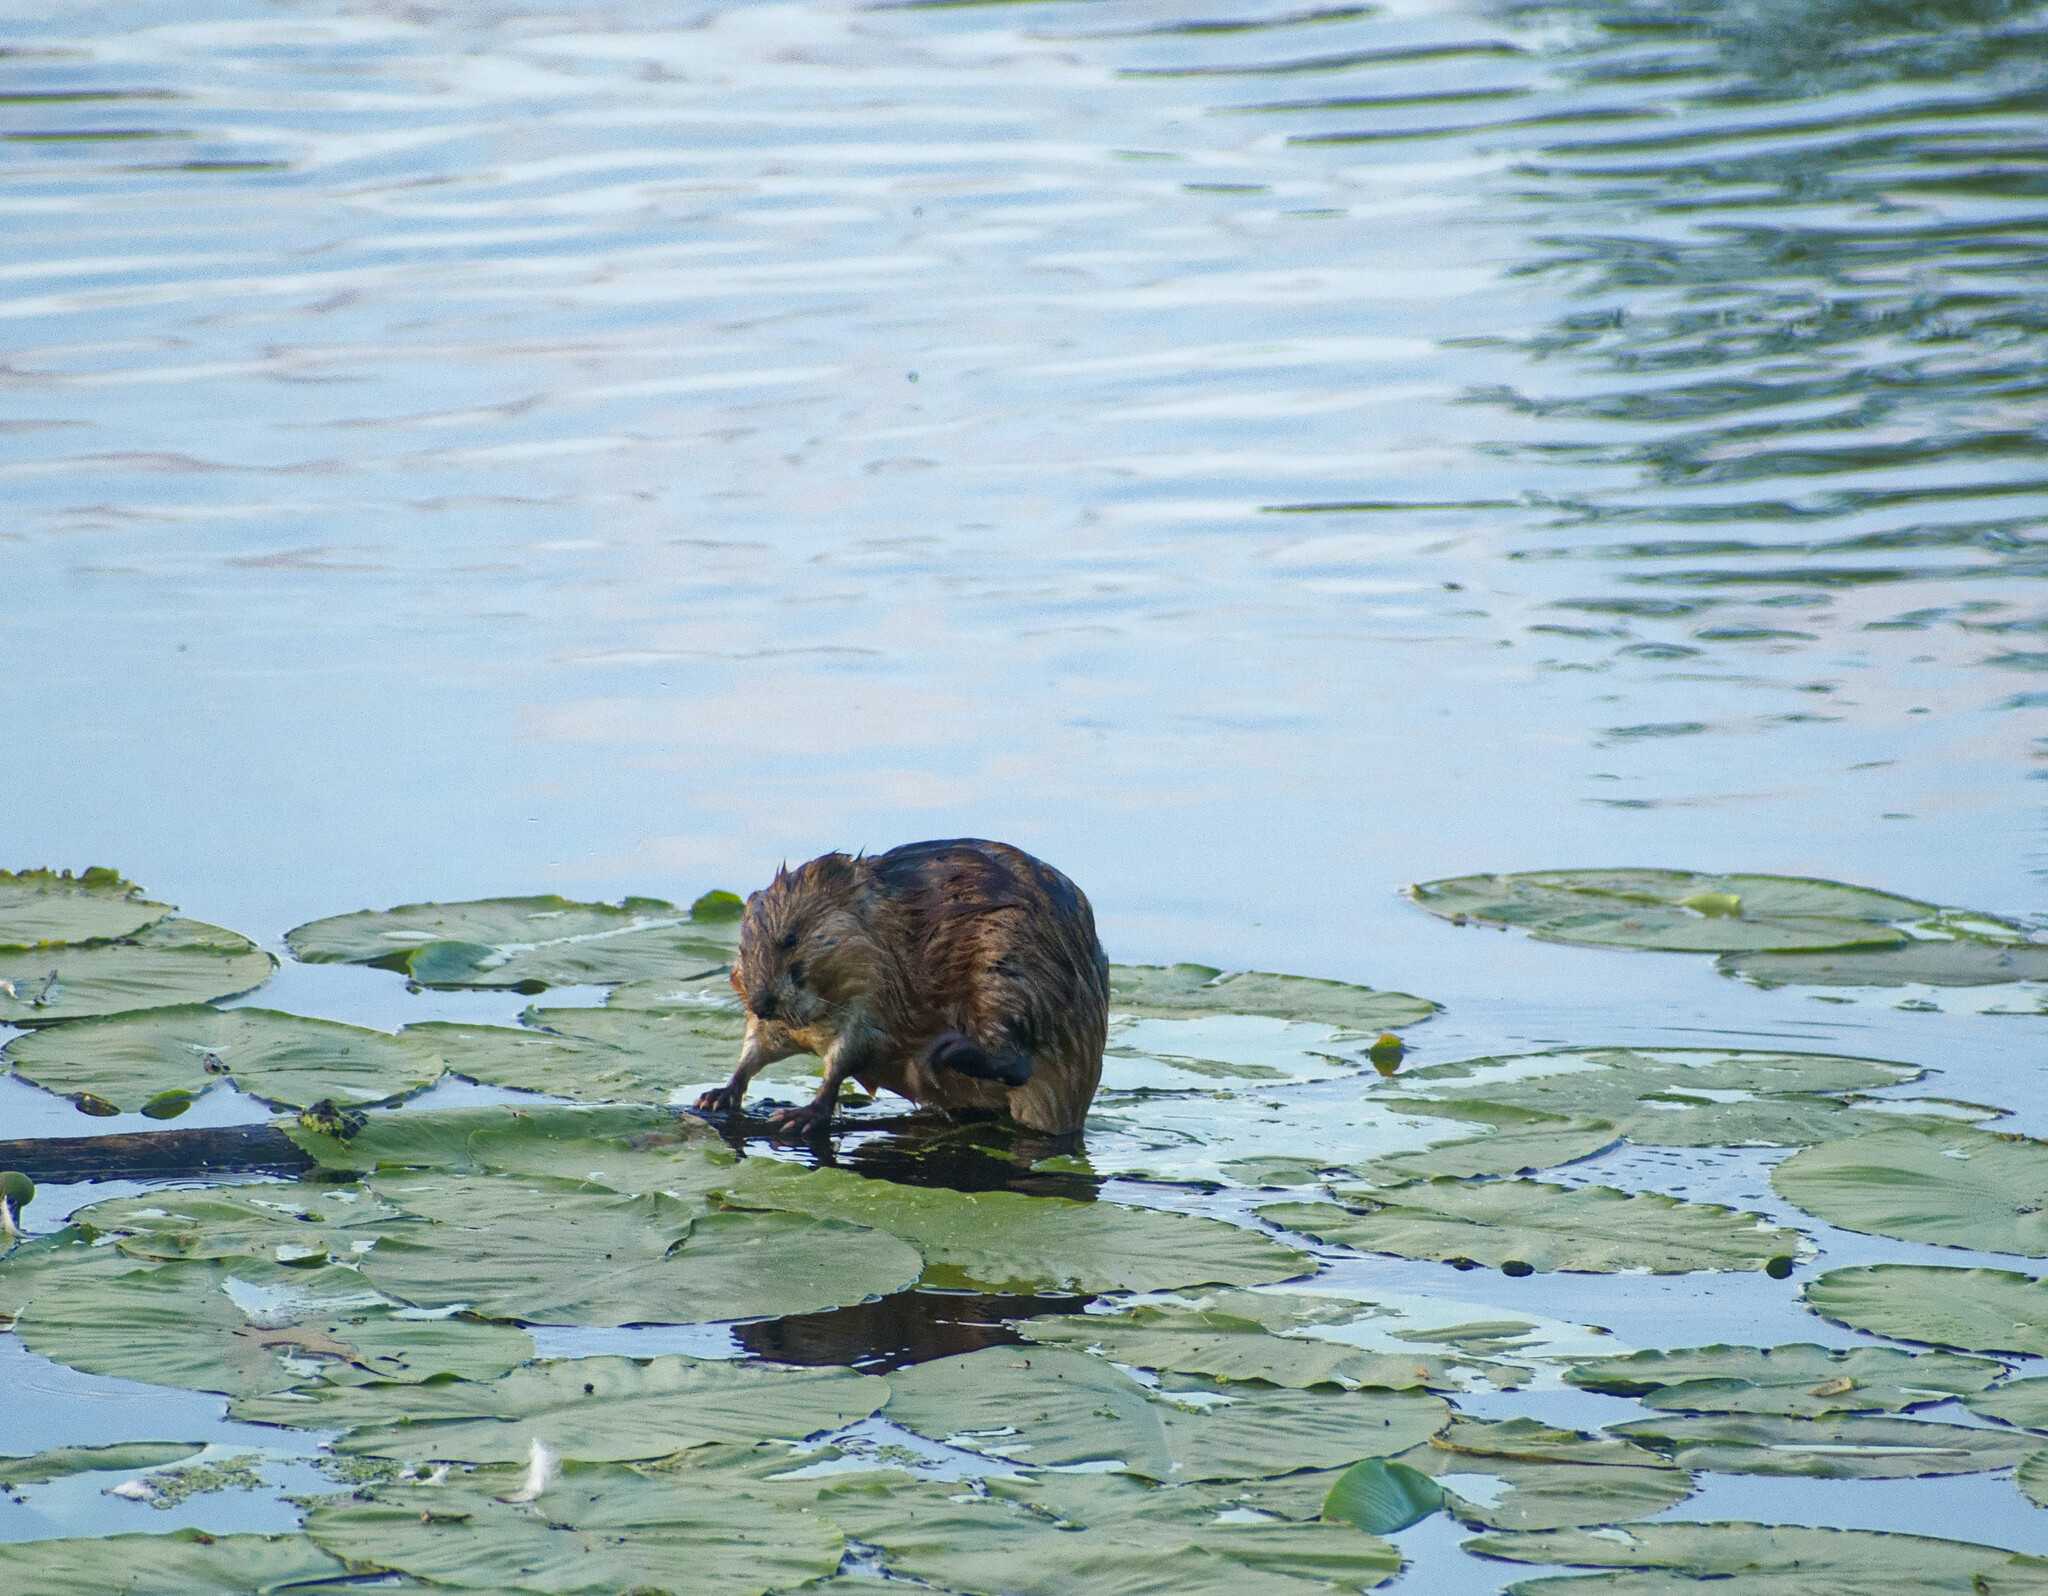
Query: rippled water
(1255, 459)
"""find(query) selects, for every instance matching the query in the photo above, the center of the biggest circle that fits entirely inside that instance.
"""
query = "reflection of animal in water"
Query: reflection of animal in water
(962, 974)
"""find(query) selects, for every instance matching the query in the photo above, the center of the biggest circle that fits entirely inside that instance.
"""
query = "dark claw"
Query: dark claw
(720, 1100)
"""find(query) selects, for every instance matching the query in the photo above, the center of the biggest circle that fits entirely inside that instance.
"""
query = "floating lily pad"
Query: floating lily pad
(170, 962)
(526, 944)
(2018, 1402)
(1181, 991)
(1677, 911)
(1963, 961)
(709, 993)
(186, 1562)
(597, 1530)
(2032, 1478)
(1681, 1097)
(1951, 1188)
(652, 1057)
(300, 1226)
(68, 1460)
(591, 1410)
(1065, 1534)
(1493, 1491)
(1973, 1310)
(1382, 1497)
(134, 1060)
(441, 1138)
(1803, 1380)
(39, 1264)
(1004, 1241)
(1839, 1448)
(242, 1327)
(1763, 1560)
(39, 907)
(1521, 1145)
(1531, 1441)
(548, 1252)
(1591, 1229)
(1050, 1409)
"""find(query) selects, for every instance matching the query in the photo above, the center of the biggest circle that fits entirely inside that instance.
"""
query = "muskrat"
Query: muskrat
(962, 974)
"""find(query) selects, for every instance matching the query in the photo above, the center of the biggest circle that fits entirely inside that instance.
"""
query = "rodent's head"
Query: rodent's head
(798, 959)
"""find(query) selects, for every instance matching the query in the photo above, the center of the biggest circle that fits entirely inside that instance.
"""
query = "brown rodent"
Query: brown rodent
(964, 974)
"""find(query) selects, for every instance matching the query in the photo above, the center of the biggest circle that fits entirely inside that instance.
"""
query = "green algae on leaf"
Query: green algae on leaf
(590, 1410)
(1950, 1188)
(1971, 1310)
(1183, 991)
(1677, 911)
(169, 962)
(1729, 1559)
(595, 1530)
(1801, 1380)
(1382, 1497)
(186, 1562)
(62, 1461)
(1834, 1448)
(1005, 1241)
(283, 1059)
(42, 907)
(1591, 1229)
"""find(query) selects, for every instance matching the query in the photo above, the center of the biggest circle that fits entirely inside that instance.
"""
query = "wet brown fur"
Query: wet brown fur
(948, 972)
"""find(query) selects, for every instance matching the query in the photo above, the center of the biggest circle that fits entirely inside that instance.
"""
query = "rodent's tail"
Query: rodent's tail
(954, 1050)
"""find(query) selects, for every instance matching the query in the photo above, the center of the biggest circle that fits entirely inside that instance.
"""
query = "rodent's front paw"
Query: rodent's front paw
(719, 1100)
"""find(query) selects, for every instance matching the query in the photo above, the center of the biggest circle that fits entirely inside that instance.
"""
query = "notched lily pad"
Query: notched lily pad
(1839, 1448)
(186, 1562)
(63, 1461)
(1182, 991)
(1801, 1380)
(169, 962)
(1950, 1188)
(1972, 1310)
(42, 907)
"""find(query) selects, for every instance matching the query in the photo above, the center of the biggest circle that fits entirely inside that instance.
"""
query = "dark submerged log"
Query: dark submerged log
(157, 1155)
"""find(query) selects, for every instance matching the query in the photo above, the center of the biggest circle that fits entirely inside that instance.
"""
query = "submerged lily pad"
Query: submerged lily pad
(1802, 1380)
(1951, 1188)
(1005, 1241)
(1677, 911)
(596, 1530)
(1590, 1229)
(1962, 961)
(526, 944)
(169, 962)
(591, 1410)
(1973, 1310)
(64, 1461)
(1182, 991)
(40, 907)
(187, 1562)
(132, 1060)
(1839, 1448)
(1763, 1560)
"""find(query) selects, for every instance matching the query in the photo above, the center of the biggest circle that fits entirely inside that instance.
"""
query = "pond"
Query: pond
(1257, 459)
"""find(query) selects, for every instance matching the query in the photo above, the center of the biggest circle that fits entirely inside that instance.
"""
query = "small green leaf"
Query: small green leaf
(1382, 1497)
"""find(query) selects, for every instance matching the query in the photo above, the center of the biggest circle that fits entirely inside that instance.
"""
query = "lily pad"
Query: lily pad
(550, 1252)
(64, 1461)
(1962, 961)
(241, 1327)
(1839, 1448)
(525, 944)
(441, 1138)
(40, 1264)
(1382, 1497)
(40, 907)
(596, 1530)
(591, 1410)
(1005, 1241)
(1677, 911)
(186, 1562)
(1492, 1491)
(1763, 1560)
(133, 1060)
(1181, 991)
(301, 1226)
(1532, 1441)
(1951, 1188)
(1973, 1310)
(2032, 1478)
(1590, 1229)
(653, 1057)
(169, 962)
(1537, 1142)
(1238, 1135)
(708, 993)
(2023, 1403)
(1802, 1380)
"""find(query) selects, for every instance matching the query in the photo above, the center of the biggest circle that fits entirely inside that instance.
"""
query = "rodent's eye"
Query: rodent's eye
(788, 941)
(796, 972)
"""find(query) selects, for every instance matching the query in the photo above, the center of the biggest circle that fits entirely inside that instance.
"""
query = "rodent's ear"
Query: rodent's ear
(734, 977)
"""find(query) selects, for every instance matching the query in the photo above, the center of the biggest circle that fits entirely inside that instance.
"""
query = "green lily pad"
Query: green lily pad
(132, 1060)
(1005, 1241)
(1803, 1380)
(1051, 1409)
(596, 1530)
(241, 1327)
(1763, 1560)
(169, 962)
(1108, 1533)
(1531, 1441)
(1972, 1310)
(64, 1461)
(1677, 911)
(709, 993)
(2023, 1403)
(300, 1226)
(186, 1562)
(1837, 1448)
(654, 1057)
(1491, 1491)
(1382, 1497)
(1182, 991)
(1538, 1142)
(592, 1410)
(440, 1138)
(2032, 1478)
(550, 1252)
(1964, 961)
(1951, 1188)
(1681, 1097)
(526, 944)
(41, 907)
(1591, 1229)
(43, 1263)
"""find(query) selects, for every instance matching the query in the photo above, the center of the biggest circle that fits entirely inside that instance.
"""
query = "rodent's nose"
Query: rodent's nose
(764, 1005)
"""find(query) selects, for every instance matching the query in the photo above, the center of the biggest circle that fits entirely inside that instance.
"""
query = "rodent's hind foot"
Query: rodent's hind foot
(951, 1050)
(812, 1120)
(719, 1100)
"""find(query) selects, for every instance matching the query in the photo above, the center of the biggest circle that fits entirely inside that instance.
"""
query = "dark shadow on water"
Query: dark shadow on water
(912, 1326)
